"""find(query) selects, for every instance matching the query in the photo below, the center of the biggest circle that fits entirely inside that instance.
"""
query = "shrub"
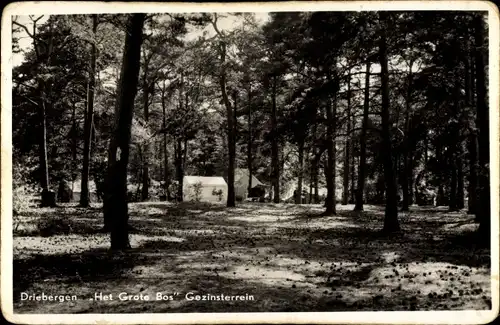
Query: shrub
(218, 193)
(197, 188)
(23, 192)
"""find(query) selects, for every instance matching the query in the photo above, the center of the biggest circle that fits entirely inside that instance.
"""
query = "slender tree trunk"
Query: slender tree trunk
(483, 211)
(411, 197)
(274, 147)
(391, 223)
(89, 118)
(460, 184)
(311, 184)
(145, 166)
(48, 196)
(453, 188)
(440, 200)
(250, 141)
(116, 203)
(44, 180)
(347, 149)
(352, 192)
(362, 143)
(330, 202)
(471, 141)
(178, 168)
(406, 147)
(166, 173)
(74, 150)
(472, 188)
(298, 198)
(231, 135)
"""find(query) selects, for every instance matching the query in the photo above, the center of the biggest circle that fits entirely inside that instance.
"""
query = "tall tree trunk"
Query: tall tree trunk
(347, 149)
(179, 172)
(362, 143)
(471, 141)
(406, 148)
(391, 223)
(483, 211)
(298, 198)
(89, 118)
(460, 184)
(74, 150)
(274, 146)
(330, 173)
(166, 173)
(411, 197)
(352, 193)
(44, 165)
(250, 141)
(145, 166)
(440, 199)
(452, 203)
(472, 187)
(116, 203)
(231, 134)
(48, 196)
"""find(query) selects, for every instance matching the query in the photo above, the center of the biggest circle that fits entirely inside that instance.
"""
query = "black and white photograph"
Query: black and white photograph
(218, 162)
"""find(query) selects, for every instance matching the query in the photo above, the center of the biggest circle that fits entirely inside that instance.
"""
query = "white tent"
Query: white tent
(204, 189)
(77, 191)
(241, 178)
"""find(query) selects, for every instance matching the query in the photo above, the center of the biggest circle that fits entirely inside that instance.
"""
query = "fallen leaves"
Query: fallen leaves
(291, 264)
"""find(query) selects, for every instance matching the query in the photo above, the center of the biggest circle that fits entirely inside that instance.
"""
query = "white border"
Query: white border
(406, 317)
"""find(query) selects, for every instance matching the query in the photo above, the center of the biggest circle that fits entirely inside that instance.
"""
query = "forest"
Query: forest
(377, 118)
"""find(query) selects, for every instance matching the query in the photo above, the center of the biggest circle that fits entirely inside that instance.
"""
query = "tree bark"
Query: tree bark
(362, 143)
(483, 211)
(166, 173)
(116, 208)
(145, 167)
(347, 149)
(48, 196)
(330, 172)
(231, 136)
(460, 185)
(44, 166)
(87, 142)
(274, 146)
(406, 149)
(471, 140)
(179, 172)
(298, 198)
(391, 223)
(453, 188)
(250, 141)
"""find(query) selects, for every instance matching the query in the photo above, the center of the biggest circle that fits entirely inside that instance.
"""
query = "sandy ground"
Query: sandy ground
(285, 257)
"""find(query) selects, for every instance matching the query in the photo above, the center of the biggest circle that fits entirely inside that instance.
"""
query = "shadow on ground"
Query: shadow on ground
(285, 256)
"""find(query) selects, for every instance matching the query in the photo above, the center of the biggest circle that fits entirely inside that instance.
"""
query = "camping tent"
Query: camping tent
(77, 190)
(241, 178)
(204, 189)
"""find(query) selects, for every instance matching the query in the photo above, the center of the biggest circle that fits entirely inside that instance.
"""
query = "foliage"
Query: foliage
(197, 190)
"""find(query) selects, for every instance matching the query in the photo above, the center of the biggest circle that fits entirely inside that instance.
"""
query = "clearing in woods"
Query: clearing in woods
(286, 256)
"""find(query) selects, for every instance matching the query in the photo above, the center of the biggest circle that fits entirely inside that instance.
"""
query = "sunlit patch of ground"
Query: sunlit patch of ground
(290, 258)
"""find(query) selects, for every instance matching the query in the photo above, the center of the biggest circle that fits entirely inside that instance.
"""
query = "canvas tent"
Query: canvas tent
(241, 178)
(204, 189)
(77, 190)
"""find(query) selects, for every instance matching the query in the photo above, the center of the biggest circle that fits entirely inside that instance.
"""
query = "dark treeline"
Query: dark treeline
(374, 107)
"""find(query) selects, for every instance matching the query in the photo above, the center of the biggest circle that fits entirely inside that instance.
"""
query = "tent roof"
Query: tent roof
(210, 181)
(240, 172)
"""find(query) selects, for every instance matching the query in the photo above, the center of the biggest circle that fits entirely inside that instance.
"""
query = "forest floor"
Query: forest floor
(288, 257)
